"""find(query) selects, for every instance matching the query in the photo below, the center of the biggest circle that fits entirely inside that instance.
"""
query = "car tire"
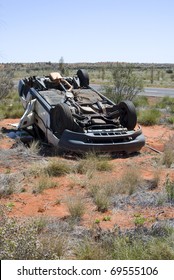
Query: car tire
(83, 77)
(128, 116)
(62, 119)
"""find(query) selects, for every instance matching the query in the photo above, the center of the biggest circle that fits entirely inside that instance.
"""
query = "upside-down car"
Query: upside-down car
(68, 113)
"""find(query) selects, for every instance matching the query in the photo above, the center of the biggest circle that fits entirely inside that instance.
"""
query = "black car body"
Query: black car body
(68, 113)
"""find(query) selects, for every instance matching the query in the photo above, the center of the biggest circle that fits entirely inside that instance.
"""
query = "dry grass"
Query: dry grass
(35, 147)
(10, 183)
(76, 207)
(43, 183)
(102, 191)
(56, 168)
(169, 187)
(93, 163)
(130, 180)
(76, 180)
(168, 155)
(156, 178)
(52, 168)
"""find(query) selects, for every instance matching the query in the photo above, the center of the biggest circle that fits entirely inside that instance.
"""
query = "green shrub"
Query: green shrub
(140, 101)
(139, 220)
(172, 109)
(126, 84)
(149, 117)
(11, 107)
(106, 218)
(166, 101)
(170, 120)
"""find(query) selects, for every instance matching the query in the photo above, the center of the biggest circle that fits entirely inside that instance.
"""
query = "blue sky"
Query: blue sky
(87, 31)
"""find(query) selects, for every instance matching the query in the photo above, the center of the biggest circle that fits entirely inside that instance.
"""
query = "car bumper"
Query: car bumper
(105, 141)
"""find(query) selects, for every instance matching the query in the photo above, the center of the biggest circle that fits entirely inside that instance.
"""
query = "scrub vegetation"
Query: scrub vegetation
(72, 200)
(34, 239)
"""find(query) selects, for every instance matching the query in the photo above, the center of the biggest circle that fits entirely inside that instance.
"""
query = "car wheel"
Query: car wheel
(128, 116)
(83, 77)
(62, 119)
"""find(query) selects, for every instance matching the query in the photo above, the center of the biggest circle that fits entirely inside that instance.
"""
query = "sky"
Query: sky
(135, 31)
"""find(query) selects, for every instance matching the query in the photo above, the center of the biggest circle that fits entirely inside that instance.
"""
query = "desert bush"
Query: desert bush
(6, 84)
(149, 117)
(40, 223)
(25, 240)
(18, 240)
(126, 84)
(39, 239)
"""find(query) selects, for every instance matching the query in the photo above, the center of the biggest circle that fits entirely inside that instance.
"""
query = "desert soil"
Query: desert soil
(144, 202)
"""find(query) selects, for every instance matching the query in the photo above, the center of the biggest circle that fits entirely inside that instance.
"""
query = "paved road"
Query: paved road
(157, 92)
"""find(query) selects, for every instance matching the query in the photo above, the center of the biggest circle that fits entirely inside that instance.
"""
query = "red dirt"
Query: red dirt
(53, 201)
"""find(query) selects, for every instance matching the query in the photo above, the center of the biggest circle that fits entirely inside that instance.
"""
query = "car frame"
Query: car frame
(71, 115)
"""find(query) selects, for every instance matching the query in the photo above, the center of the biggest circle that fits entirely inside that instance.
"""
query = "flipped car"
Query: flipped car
(70, 114)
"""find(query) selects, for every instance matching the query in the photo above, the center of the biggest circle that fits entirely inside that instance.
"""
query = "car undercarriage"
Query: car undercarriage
(68, 113)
